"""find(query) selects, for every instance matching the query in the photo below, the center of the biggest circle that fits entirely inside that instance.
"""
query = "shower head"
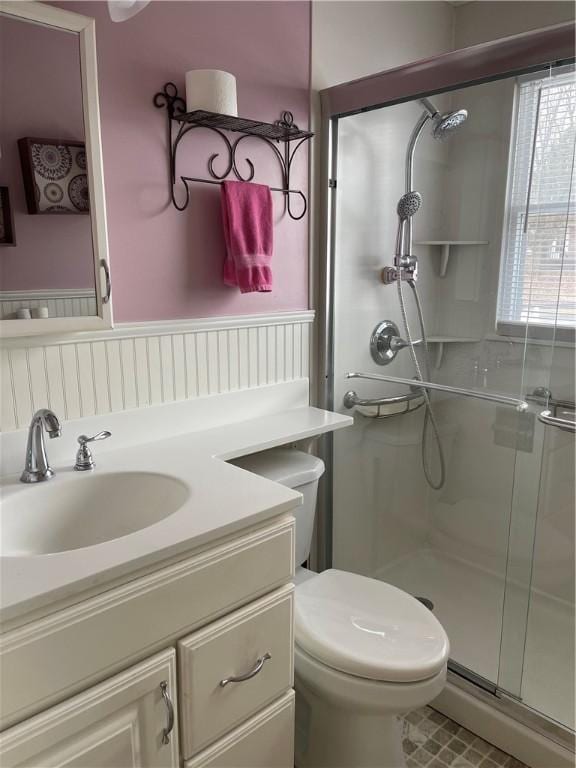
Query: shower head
(443, 125)
(408, 205)
(410, 202)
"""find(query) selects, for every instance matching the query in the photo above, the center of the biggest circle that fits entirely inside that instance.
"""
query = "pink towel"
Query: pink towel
(248, 231)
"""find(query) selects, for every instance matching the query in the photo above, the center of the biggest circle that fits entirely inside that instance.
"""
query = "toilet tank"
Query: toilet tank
(297, 470)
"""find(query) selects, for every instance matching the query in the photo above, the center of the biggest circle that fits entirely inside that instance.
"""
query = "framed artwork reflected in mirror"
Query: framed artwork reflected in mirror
(54, 175)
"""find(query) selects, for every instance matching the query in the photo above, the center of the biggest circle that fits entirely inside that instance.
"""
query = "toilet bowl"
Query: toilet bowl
(365, 651)
(348, 722)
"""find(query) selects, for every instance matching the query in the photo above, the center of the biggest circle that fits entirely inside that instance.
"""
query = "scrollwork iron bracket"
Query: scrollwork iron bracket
(282, 132)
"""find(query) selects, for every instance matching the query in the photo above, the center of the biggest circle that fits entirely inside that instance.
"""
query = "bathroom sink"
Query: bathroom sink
(83, 510)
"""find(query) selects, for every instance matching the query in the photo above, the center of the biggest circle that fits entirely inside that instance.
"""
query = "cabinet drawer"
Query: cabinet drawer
(117, 724)
(53, 658)
(235, 647)
(265, 741)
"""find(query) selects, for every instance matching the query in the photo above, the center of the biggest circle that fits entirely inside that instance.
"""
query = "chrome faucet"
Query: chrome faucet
(37, 468)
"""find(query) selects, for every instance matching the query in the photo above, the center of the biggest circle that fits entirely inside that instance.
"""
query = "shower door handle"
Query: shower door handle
(564, 424)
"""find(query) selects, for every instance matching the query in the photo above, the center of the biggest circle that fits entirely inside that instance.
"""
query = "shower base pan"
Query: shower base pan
(468, 601)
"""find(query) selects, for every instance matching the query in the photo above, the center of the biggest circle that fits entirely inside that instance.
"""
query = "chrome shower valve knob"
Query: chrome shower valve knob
(84, 460)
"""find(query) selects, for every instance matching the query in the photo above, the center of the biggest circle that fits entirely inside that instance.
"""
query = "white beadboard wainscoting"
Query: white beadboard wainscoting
(69, 302)
(142, 364)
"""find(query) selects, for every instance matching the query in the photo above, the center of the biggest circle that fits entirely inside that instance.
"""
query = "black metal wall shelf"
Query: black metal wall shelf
(279, 131)
(282, 132)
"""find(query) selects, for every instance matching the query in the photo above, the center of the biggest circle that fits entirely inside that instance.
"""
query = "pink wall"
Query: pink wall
(42, 97)
(167, 264)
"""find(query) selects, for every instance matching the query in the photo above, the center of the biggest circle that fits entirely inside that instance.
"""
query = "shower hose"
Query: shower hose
(429, 417)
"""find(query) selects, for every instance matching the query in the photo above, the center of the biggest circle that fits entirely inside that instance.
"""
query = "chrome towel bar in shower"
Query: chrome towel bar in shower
(565, 425)
(495, 397)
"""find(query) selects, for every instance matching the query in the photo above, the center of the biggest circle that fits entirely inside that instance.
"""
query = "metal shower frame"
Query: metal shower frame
(495, 60)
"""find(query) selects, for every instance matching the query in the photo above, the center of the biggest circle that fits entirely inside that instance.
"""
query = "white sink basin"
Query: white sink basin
(83, 510)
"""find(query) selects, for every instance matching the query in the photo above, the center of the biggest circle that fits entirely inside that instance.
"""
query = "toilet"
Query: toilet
(365, 651)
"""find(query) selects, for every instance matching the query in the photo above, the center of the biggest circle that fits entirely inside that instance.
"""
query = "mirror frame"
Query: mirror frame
(85, 27)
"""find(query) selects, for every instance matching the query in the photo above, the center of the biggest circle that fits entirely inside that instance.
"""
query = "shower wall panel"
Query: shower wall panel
(380, 510)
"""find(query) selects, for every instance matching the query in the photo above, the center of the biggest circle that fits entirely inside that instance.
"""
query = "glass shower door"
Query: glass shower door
(448, 546)
(548, 674)
(538, 645)
(491, 549)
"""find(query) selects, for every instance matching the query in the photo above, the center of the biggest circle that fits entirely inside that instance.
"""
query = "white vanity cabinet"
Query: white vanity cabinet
(117, 724)
(92, 685)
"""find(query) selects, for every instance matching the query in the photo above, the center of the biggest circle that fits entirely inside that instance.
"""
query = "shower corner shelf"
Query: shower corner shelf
(283, 131)
(446, 246)
(440, 341)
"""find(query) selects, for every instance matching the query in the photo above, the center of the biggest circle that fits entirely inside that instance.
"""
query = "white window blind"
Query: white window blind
(538, 268)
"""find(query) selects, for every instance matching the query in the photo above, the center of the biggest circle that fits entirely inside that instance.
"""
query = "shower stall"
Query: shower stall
(450, 312)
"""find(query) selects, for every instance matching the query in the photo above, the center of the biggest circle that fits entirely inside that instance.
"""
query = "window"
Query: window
(538, 266)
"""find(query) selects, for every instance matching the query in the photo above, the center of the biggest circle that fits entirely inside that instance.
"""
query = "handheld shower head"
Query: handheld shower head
(408, 205)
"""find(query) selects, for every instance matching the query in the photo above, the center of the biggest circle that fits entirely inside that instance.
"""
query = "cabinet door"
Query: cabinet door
(116, 724)
(265, 741)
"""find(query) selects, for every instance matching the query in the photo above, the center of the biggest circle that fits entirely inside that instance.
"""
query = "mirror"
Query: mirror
(53, 251)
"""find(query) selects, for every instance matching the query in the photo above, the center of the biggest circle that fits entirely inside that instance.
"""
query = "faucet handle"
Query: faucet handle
(397, 343)
(83, 439)
(84, 460)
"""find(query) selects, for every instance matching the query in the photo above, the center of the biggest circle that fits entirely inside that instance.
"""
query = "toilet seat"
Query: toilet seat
(360, 695)
(368, 629)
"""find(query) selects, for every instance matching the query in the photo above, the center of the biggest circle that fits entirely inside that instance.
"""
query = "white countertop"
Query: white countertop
(223, 499)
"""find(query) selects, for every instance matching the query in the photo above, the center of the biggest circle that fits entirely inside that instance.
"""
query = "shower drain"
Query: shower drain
(427, 602)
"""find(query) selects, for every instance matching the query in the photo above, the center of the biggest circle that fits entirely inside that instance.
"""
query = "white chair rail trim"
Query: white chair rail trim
(162, 328)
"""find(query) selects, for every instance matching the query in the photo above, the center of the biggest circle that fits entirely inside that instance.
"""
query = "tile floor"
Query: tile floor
(433, 741)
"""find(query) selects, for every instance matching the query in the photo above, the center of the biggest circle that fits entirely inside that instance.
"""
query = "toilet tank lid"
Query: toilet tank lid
(283, 465)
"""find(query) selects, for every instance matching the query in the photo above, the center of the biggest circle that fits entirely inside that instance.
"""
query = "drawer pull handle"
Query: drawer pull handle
(168, 730)
(253, 672)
